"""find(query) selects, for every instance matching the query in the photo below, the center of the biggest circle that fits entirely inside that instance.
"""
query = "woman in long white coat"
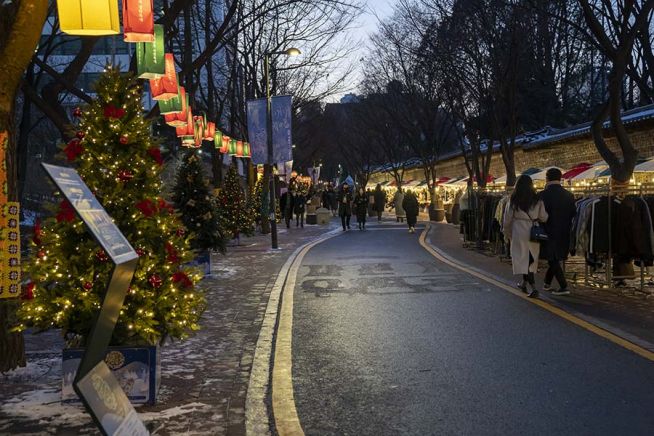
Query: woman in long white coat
(522, 212)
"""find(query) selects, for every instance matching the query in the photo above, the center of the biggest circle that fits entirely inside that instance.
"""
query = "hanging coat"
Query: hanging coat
(517, 229)
(399, 210)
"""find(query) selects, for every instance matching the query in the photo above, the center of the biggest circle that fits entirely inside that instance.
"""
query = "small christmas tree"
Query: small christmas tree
(197, 205)
(236, 218)
(119, 161)
(255, 201)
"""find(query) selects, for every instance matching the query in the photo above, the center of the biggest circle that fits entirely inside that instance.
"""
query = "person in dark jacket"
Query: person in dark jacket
(560, 207)
(361, 207)
(286, 207)
(380, 201)
(345, 205)
(299, 204)
(411, 208)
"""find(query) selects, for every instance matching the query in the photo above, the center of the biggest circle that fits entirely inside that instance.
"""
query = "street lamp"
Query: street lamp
(273, 219)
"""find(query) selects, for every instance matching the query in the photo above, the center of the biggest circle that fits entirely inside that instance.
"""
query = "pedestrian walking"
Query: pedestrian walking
(333, 201)
(380, 200)
(345, 205)
(399, 211)
(286, 207)
(411, 209)
(361, 207)
(524, 211)
(560, 207)
(299, 206)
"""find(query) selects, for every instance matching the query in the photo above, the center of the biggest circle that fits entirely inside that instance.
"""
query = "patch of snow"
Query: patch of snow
(36, 369)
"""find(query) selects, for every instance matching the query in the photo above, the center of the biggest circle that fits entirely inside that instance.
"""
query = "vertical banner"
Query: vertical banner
(281, 128)
(257, 130)
(9, 250)
(288, 169)
(4, 143)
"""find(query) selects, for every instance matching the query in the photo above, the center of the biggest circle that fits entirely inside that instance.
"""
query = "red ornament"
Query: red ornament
(155, 153)
(88, 286)
(111, 111)
(80, 134)
(181, 232)
(40, 254)
(147, 207)
(101, 255)
(28, 292)
(172, 253)
(36, 238)
(182, 279)
(66, 212)
(164, 205)
(77, 112)
(73, 149)
(125, 175)
(124, 140)
(140, 252)
(155, 281)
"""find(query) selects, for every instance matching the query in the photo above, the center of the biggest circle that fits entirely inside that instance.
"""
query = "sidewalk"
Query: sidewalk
(624, 311)
(204, 379)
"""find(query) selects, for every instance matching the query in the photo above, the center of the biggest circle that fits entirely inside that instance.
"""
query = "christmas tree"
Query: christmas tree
(255, 201)
(117, 158)
(197, 205)
(236, 218)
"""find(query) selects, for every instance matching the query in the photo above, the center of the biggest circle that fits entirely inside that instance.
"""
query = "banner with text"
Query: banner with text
(257, 130)
(281, 129)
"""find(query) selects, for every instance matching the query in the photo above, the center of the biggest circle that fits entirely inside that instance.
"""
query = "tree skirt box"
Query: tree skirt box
(137, 370)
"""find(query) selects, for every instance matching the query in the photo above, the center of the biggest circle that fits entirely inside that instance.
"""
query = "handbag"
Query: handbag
(538, 233)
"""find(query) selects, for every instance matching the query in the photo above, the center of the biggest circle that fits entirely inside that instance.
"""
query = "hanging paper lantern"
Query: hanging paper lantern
(179, 119)
(88, 17)
(150, 56)
(218, 140)
(239, 148)
(225, 147)
(246, 150)
(210, 131)
(188, 129)
(138, 21)
(173, 105)
(165, 87)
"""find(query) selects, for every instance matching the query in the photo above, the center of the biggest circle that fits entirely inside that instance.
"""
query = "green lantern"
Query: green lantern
(232, 147)
(246, 149)
(150, 59)
(218, 139)
(171, 106)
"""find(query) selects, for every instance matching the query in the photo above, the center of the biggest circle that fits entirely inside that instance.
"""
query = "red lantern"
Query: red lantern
(210, 131)
(226, 140)
(179, 119)
(187, 129)
(239, 148)
(166, 87)
(138, 20)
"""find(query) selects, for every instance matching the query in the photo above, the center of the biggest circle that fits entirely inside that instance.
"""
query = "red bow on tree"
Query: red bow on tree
(163, 204)
(182, 279)
(155, 153)
(37, 232)
(147, 207)
(66, 212)
(172, 253)
(28, 293)
(73, 149)
(111, 111)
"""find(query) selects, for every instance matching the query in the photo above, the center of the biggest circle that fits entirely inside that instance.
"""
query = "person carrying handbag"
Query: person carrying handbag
(524, 214)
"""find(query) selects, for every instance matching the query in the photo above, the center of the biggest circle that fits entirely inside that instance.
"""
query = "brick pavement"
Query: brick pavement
(204, 378)
(625, 311)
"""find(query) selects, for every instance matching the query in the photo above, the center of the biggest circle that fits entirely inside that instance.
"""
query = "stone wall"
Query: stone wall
(564, 154)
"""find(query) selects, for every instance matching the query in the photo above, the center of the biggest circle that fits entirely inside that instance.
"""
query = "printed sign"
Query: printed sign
(257, 130)
(281, 128)
(111, 408)
(92, 213)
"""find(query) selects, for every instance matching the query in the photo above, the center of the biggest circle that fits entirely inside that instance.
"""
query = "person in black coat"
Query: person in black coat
(380, 201)
(411, 208)
(286, 207)
(560, 207)
(299, 203)
(361, 207)
(345, 205)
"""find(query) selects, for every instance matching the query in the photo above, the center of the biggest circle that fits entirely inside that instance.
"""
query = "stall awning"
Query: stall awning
(541, 175)
(530, 171)
(414, 183)
(645, 167)
(441, 180)
(590, 174)
(576, 170)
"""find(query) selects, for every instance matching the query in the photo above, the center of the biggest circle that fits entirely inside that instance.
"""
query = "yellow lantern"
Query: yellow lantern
(88, 17)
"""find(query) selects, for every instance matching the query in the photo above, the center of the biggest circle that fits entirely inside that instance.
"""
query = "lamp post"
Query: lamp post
(269, 140)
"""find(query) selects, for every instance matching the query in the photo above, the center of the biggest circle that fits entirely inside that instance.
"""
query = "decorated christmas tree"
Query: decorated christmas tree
(197, 205)
(117, 158)
(255, 201)
(236, 217)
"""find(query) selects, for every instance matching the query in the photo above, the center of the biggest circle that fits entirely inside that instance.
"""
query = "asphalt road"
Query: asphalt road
(387, 340)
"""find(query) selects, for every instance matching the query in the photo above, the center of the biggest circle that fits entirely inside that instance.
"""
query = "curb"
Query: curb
(619, 337)
(257, 420)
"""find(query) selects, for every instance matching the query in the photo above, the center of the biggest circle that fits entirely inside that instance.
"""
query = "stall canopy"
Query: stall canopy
(541, 175)
(500, 180)
(414, 183)
(576, 170)
(590, 174)
(645, 167)
(530, 171)
(441, 180)
(404, 183)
